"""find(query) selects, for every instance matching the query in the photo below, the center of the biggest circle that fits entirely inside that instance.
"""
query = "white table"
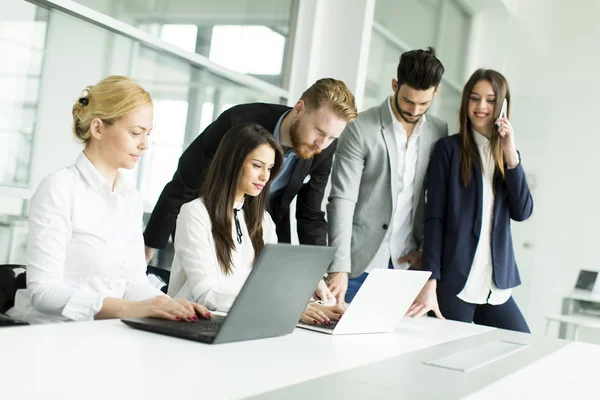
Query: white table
(569, 373)
(108, 360)
(570, 302)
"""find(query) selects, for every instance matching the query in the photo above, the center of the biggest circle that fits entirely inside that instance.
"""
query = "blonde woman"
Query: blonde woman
(85, 245)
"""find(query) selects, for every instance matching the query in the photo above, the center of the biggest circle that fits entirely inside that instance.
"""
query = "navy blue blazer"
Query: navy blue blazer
(453, 219)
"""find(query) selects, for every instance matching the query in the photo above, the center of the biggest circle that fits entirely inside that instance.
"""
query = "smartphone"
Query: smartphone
(502, 112)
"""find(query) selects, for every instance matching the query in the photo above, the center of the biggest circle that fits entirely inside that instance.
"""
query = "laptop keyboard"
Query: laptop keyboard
(329, 327)
(201, 325)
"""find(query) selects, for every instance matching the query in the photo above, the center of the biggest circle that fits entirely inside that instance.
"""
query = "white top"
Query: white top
(85, 243)
(398, 240)
(480, 287)
(196, 274)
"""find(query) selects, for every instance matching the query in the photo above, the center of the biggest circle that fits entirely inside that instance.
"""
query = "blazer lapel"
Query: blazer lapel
(296, 180)
(476, 174)
(391, 143)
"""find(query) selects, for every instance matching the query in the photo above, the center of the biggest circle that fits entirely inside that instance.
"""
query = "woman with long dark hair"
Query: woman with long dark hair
(476, 186)
(221, 233)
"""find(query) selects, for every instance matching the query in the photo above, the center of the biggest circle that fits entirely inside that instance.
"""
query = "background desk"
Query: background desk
(571, 303)
(108, 360)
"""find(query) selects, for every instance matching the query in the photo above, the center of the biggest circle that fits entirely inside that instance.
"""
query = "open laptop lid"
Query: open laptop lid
(382, 301)
(276, 292)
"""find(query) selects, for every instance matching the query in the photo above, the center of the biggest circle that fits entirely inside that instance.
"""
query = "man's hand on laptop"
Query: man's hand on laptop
(413, 258)
(324, 294)
(338, 284)
(426, 301)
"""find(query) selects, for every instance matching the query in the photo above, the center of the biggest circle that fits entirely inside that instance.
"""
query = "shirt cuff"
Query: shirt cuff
(83, 305)
(339, 267)
(519, 163)
(200, 290)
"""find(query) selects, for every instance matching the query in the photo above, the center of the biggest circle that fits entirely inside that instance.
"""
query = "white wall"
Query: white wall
(12, 90)
(327, 45)
(75, 58)
(548, 52)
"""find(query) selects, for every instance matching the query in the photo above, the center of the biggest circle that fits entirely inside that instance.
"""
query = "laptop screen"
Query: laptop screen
(586, 280)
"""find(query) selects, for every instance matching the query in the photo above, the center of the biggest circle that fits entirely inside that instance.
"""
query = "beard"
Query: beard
(405, 114)
(302, 149)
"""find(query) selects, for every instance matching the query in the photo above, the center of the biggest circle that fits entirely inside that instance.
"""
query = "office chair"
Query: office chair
(160, 273)
(10, 282)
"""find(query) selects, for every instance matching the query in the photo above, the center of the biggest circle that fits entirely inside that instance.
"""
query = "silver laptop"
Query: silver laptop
(380, 304)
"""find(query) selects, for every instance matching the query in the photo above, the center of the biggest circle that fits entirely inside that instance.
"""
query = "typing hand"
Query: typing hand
(196, 308)
(166, 308)
(333, 312)
(338, 284)
(321, 314)
(426, 301)
(312, 315)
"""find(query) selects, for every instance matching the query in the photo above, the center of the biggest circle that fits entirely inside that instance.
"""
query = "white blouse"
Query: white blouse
(85, 243)
(480, 287)
(196, 274)
(398, 240)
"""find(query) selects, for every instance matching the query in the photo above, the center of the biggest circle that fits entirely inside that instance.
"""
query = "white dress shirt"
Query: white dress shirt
(85, 243)
(480, 287)
(398, 240)
(196, 274)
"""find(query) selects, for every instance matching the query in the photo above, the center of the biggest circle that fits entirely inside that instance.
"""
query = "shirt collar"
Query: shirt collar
(277, 130)
(481, 140)
(238, 205)
(89, 172)
(398, 125)
(94, 177)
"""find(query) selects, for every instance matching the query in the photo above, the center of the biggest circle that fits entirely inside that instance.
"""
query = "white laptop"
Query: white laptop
(380, 304)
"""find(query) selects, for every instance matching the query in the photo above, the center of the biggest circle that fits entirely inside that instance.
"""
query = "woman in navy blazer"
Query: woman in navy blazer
(475, 186)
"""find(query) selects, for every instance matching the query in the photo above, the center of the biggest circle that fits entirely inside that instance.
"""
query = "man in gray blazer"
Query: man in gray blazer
(377, 200)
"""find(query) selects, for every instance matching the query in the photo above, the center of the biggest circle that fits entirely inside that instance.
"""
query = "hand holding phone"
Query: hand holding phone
(502, 113)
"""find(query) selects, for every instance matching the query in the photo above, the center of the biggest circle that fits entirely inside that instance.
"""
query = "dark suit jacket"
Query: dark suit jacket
(312, 227)
(453, 220)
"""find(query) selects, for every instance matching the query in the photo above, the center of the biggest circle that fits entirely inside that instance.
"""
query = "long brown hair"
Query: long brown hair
(220, 187)
(469, 155)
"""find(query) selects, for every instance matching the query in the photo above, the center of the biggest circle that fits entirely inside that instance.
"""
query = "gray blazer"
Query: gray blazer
(360, 204)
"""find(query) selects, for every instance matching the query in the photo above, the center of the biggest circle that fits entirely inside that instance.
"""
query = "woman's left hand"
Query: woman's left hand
(507, 141)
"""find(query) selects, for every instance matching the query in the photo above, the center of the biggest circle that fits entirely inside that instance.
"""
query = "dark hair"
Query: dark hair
(420, 69)
(220, 187)
(469, 155)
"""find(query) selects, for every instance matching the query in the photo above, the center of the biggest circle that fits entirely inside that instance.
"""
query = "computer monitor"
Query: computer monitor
(586, 280)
